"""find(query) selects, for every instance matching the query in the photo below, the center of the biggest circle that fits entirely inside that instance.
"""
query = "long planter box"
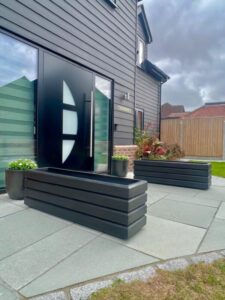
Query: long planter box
(178, 173)
(106, 203)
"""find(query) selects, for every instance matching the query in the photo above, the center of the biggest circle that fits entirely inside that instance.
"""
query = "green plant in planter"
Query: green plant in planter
(14, 177)
(120, 165)
(120, 157)
(22, 164)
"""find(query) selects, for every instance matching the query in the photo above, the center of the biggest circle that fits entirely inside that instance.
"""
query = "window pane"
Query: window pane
(18, 81)
(102, 105)
(140, 52)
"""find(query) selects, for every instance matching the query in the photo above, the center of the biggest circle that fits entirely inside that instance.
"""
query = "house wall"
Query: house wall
(91, 33)
(148, 98)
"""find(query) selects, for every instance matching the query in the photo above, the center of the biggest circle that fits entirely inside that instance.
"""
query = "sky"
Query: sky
(189, 45)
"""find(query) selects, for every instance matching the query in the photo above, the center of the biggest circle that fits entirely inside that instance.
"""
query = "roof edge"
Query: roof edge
(144, 20)
(154, 71)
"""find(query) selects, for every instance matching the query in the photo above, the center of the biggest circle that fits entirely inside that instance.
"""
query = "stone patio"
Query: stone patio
(40, 253)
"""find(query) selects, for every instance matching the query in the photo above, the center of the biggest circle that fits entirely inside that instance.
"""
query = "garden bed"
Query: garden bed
(177, 173)
(109, 204)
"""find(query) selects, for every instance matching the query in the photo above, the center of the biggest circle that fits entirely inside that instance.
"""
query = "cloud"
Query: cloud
(189, 45)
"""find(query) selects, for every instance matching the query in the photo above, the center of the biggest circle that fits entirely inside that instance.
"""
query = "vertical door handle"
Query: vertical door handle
(91, 124)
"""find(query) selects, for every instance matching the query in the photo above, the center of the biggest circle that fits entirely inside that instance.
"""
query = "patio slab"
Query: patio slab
(21, 268)
(7, 208)
(186, 213)
(215, 237)
(221, 212)
(7, 294)
(24, 228)
(100, 257)
(165, 239)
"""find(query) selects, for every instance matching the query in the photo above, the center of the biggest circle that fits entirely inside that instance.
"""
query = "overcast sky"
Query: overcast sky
(189, 45)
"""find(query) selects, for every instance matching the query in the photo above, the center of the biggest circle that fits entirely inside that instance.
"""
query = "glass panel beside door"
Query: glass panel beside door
(103, 91)
(18, 81)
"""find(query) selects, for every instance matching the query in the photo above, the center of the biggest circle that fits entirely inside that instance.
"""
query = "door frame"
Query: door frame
(40, 81)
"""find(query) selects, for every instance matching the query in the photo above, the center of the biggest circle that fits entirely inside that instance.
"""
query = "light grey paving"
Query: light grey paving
(24, 228)
(216, 193)
(187, 213)
(7, 294)
(173, 189)
(221, 212)
(52, 296)
(83, 292)
(194, 200)
(143, 274)
(26, 265)
(218, 181)
(99, 258)
(165, 239)
(7, 208)
(173, 265)
(215, 238)
(154, 196)
(206, 258)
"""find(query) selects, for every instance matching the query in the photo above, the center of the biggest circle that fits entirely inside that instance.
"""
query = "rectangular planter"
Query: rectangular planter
(177, 173)
(109, 204)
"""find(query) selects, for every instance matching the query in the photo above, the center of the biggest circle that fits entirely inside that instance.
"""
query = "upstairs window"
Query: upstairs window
(112, 3)
(140, 52)
(139, 118)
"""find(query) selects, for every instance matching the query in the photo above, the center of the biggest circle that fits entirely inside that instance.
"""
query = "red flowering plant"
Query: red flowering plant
(150, 147)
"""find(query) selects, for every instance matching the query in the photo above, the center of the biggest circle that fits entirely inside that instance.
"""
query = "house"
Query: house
(74, 81)
(210, 109)
(172, 111)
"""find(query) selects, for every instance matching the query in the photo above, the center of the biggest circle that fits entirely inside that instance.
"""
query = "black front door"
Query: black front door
(65, 115)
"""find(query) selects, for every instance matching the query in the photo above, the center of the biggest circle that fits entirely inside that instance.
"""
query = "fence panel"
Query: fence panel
(203, 137)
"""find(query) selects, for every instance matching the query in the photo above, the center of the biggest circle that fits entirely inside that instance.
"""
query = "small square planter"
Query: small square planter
(106, 203)
(177, 173)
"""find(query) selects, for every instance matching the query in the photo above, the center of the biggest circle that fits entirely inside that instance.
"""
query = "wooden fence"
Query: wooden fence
(198, 137)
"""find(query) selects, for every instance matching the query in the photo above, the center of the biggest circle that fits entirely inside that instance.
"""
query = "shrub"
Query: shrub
(22, 164)
(120, 157)
(150, 147)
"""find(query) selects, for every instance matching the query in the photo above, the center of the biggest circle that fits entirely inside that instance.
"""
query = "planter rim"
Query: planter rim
(173, 161)
(13, 170)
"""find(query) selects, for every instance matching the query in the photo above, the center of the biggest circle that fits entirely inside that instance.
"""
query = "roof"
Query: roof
(167, 109)
(179, 115)
(154, 71)
(212, 109)
(144, 22)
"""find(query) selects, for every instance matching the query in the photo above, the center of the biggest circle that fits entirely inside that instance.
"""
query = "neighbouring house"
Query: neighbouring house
(174, 111)
(210, 109)
(74, 81)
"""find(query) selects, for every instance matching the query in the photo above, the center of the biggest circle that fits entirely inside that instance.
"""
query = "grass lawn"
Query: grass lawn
(197, 282)
(218, 168)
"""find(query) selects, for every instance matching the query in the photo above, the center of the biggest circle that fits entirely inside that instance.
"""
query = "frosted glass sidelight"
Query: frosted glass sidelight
(67, 147)
(70, 122)
(67, 95)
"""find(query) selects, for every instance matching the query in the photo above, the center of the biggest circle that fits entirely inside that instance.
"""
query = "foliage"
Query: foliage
(22, 164)
(197, 282)
(150, 147)
(120, 157)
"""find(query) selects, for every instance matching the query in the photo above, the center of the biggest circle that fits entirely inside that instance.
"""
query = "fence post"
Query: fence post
(181, 134)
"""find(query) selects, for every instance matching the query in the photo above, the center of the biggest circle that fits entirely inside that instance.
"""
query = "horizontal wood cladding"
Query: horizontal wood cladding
(148, 97)
(91, 33)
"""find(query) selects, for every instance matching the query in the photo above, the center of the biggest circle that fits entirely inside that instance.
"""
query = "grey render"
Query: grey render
(97, 36)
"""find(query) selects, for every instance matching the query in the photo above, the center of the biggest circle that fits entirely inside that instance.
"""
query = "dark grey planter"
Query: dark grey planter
(109, 204)
(15, 184)
(177, 173)
(119, 167)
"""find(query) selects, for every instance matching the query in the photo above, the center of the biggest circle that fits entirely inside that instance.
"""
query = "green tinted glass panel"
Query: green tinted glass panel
(18, 80)
(102, 106)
